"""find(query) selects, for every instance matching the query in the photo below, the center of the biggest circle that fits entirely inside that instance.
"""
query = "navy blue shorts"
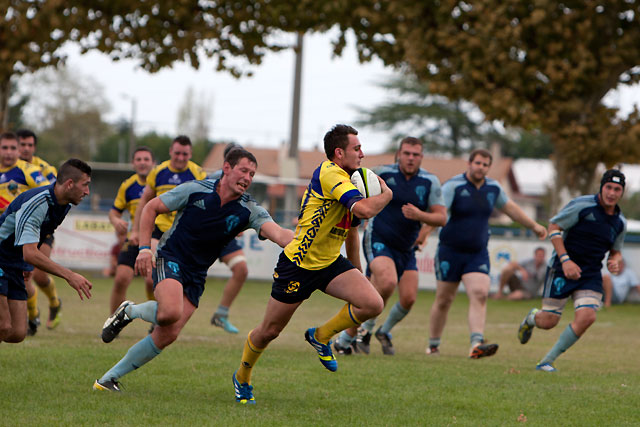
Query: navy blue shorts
(557, 286)
(128, 254)
(233, 246)
(12, 284)
(451, 264)
(192, 281)
(48, 240)
(373, 246)
(156, 233)
(292, 284)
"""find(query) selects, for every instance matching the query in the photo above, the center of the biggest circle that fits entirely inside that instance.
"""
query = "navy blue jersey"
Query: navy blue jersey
(202, 227)
(30, 218)
(588, 233)
(469, 209)
(421, 190)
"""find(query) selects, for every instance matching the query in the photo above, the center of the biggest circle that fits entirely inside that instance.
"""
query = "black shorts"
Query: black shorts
(128, 254)
(48, 240)
(157, 233)
(192, 281)
(12, 284)
(292, 284)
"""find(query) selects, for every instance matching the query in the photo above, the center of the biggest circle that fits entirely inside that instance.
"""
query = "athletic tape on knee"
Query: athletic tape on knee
(587, 299)
(236, 259)
(553, 305)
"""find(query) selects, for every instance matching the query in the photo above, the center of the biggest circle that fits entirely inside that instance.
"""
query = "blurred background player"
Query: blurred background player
(234, 257)
(581, 234)
(25, 223)
(162, 178)
(127, 199)
(391, 260)
(523, 278)
(462, 252)
(16, 177)
(621, 287)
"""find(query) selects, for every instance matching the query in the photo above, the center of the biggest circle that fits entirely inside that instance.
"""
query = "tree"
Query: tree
(445, 126)
(537, 65)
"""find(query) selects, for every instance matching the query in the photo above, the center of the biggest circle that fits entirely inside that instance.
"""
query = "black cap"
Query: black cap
(612, 175)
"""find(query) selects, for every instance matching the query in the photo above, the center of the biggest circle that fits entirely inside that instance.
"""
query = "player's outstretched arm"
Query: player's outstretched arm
(118, 223)
(371, 206)
(278, 235)
(516, 213)
(36, 258)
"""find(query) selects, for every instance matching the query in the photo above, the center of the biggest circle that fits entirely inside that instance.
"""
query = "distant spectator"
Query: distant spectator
(524, 279)
(622, 287)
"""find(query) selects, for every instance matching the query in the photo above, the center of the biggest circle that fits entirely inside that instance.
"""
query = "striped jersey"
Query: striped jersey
(18, 179)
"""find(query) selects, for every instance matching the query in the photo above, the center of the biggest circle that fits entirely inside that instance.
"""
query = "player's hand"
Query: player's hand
(411, 212)
(27, 275)
(571, 270)
(383, 186)
(540, 231)
(121, 226)
(613, 265)
(134, 239)
(81, 285)
(145, 262)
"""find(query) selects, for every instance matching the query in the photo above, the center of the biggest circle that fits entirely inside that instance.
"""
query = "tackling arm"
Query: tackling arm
(517, 214)
(272, 231)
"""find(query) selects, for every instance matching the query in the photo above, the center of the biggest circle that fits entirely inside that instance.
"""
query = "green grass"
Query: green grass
(48, 378)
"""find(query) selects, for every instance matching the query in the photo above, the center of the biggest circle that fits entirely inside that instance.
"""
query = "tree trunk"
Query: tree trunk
(5, 88)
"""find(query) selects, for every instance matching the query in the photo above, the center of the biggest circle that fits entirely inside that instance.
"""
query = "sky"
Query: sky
(252, 110)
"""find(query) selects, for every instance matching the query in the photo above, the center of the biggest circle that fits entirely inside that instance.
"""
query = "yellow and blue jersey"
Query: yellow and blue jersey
(48, 171)
(325, 218)
(128, 195)
(18, 179)
(163, 178)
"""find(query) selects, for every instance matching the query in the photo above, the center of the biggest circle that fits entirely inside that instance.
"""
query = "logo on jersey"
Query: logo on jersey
(444, 268)
(491, 198)
(465, 193)
(558, 283)
(378, 246)
(174, 267)
(292, 287)
(232, 222)
(37, 177)
(590, 217)
(200, 204)
(175, 179)
(483, 267)
(391, 182)
(421, 191)
(341, 229)
(1, 272)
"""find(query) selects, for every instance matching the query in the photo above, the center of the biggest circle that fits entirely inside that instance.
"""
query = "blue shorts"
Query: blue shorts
(192, 281)
(373, 246)
(12, 284)
(233, 246)
(292, 284)
(451, 264)
(128, 254)
(557, 286)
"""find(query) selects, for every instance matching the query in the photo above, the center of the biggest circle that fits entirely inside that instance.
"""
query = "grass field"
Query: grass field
(47, 379)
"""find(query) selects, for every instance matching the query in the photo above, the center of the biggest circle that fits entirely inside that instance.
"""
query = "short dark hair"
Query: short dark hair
(73, 169)
(410, 140)
(27, 133)
(182, 140)
(482, 153)
(8, 135)
(337, 137)
(235, 155)
(231, 146)
(143, 148)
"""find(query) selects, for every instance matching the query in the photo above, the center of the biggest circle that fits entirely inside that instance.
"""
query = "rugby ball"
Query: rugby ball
(366, 181)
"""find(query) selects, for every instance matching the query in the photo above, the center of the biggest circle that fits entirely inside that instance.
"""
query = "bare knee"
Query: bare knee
(168, 316)
(16, 337)
(479, 296)
(407, 301)
(372, 307)
(240, 271)
(546, 320)
(265, 334)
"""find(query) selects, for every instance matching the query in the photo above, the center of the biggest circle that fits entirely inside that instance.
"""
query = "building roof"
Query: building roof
(444, 168)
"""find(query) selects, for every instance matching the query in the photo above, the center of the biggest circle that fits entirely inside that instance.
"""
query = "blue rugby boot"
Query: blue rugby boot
(325, 354)
(244, 392)
(525, 330)
(546, 367)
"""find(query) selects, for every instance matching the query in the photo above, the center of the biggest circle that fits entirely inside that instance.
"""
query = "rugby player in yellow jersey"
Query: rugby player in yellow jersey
(127, 200)
(330, 212)
(17, 176)
(167, 175)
